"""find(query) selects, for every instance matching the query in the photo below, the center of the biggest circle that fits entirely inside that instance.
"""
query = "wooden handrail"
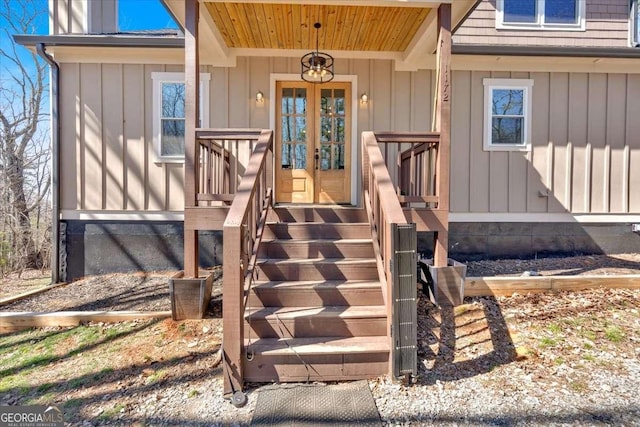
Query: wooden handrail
(408, 137)
(242, 232)
(383, 210)
(248, 134)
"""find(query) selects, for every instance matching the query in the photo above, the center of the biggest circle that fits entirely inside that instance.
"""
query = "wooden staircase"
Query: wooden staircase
(316, 310)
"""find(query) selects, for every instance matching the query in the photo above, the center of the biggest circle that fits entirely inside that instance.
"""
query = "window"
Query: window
(540, 14)
(169, 115)
(507, 124)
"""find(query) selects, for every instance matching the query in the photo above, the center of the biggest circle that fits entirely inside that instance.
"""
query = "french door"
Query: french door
(313, 142)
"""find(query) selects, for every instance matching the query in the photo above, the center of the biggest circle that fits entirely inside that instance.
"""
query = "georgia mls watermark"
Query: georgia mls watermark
(31, 416)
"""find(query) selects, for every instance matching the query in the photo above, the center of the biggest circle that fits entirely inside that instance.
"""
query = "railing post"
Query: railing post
(232, 309)
(191, 153)
(443, 125)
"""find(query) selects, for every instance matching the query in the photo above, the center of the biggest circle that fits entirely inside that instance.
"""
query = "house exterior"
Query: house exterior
(570, 185)
(500, 129)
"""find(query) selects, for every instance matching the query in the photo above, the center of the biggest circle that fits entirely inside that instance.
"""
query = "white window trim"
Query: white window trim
(171, 77)
(527, 86)
(540, 24)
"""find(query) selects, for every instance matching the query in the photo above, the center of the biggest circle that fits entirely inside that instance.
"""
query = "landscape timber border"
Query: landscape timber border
(473, 287)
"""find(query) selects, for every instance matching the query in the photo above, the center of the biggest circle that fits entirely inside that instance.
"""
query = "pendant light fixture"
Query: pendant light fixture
(317, 67)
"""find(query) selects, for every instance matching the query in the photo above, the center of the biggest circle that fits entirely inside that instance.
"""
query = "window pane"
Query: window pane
(325, 129)
(301, 128)
(338, 156)
(301, 101)
(507, 102)
(286, 156)
(519, 11)
(339, 98)
(325, 157)
(560, 11)
(287, 101)
(339, 129)
(507, 130)
(288, 129)
(172, 138)
(325, 101)
(301, 156)
(173, 100)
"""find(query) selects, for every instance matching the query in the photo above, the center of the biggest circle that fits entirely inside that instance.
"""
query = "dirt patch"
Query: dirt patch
(28, 280)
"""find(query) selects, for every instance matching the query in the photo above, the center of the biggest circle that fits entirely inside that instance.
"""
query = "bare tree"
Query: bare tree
(24, 154)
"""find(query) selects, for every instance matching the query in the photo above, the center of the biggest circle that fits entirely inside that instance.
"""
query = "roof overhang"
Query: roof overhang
(99, 48)
(100, 40)
(401, 30)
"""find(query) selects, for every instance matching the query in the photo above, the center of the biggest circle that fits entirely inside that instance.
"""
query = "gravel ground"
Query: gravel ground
(563, 359)
(558, 266)
(140, 291)
(567, 359)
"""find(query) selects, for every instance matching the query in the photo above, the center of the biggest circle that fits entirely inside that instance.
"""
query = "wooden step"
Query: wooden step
(316, 230)
(318, 269)
(315, 293)
(334, 214)
(324, 321)
(325, 359)
(316, 248)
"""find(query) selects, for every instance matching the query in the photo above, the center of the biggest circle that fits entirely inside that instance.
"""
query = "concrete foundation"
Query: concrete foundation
(482, 240)
(98, 247)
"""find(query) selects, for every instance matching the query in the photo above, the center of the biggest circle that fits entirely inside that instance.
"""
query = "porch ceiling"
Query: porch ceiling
(290, 26)
(401, 30)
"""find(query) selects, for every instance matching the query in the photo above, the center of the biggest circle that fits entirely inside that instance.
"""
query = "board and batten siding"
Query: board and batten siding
(108, 156)
(607, 25)
(585, 155)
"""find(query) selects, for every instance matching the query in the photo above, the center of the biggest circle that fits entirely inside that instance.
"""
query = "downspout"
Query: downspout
(55, 162)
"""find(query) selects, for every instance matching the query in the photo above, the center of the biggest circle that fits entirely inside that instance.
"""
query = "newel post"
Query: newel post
(192, 94)
(443, 125)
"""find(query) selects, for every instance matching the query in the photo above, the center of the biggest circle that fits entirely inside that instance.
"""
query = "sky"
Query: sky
(132, 15)
(154, 15)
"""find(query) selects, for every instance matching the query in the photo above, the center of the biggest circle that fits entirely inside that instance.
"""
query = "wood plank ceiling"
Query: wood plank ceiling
(290, 26)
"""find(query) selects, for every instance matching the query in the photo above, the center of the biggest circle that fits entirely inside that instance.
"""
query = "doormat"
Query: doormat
(345, 404)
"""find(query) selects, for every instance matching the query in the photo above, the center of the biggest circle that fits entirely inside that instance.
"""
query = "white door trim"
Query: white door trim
(353, 79)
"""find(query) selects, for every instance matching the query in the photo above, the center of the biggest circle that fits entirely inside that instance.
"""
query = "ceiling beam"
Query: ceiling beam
(424, 41)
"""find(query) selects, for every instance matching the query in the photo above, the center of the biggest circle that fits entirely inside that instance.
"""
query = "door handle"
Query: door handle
(317, 157)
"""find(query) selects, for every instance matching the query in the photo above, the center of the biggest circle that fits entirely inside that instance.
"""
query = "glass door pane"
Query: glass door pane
(332, 129)
(294, 128)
